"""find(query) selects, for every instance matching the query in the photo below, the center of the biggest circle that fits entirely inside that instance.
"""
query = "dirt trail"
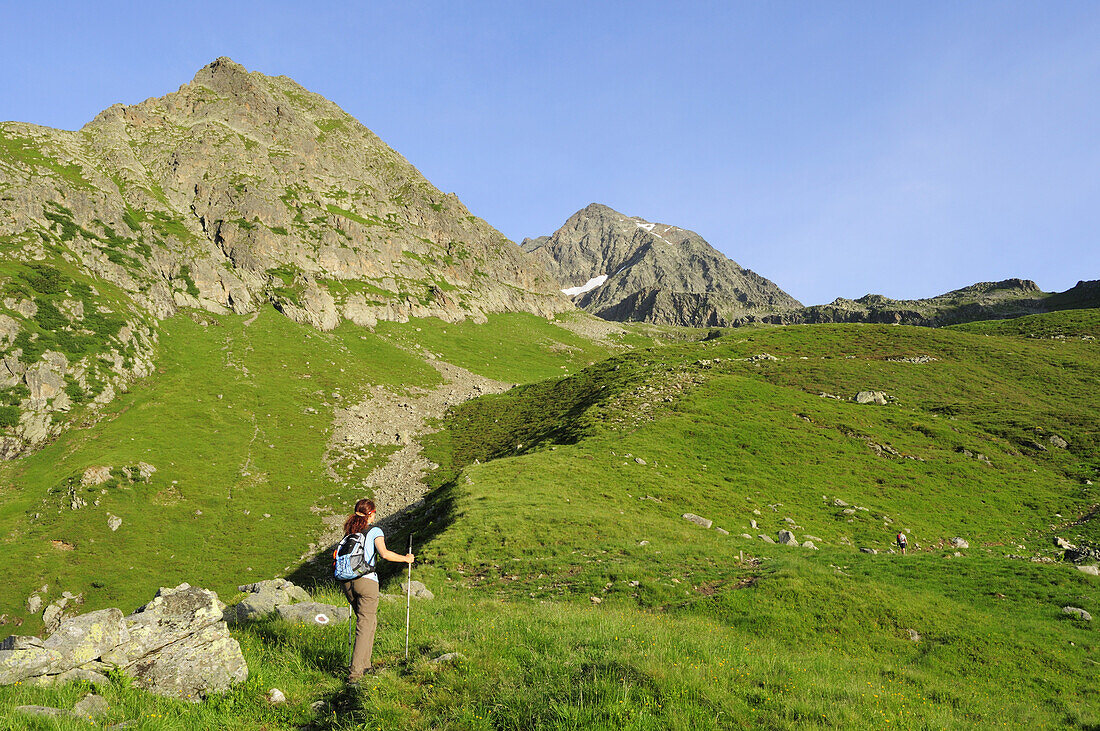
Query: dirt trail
(388, 418)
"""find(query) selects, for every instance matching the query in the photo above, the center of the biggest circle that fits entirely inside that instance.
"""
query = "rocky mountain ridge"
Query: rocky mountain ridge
(237, 191)
(629, 269)
(981, 301)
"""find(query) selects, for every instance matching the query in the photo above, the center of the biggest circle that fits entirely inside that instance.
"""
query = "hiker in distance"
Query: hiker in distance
(903, 543)
(355, 568)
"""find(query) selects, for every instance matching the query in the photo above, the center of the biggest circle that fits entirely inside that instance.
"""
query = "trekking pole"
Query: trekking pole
(408, 600)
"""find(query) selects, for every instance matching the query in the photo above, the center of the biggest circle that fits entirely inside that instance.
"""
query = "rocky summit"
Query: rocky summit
(628, 269)
(236, 191)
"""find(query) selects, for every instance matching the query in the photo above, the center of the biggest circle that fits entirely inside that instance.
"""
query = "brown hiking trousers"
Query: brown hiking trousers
(362, 594)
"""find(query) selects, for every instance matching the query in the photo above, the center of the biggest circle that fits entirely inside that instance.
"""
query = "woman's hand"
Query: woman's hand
(409, 558)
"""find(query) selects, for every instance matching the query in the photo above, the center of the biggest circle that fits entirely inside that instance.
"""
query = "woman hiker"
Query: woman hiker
(362, 592)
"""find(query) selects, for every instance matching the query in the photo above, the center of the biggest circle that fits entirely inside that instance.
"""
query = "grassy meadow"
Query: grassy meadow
(565, 575)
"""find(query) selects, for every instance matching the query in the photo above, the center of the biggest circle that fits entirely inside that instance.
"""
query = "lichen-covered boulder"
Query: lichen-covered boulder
(208, 661)
(86, 637)
(172, 615)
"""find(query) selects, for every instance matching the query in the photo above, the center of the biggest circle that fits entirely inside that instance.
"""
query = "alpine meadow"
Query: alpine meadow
(646, 488)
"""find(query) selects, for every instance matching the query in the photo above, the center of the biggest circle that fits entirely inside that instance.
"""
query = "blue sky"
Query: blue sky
(836, 148)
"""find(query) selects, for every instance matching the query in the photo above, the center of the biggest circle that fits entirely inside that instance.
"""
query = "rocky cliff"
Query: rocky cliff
(981, 301)
(626, 268)
(237, 191)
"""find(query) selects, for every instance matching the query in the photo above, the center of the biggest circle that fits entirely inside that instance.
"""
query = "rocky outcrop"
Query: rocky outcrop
(628, 269)
(176, 645)
(237, 191)
(981, 301)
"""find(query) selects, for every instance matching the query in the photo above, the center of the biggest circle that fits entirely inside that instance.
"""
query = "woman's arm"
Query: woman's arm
(380, 548)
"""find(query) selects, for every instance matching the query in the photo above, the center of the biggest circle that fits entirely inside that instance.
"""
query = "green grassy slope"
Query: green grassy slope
(542, 507)
(236, 421)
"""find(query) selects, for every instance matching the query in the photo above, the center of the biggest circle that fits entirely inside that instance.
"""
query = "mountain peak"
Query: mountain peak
(626, 268)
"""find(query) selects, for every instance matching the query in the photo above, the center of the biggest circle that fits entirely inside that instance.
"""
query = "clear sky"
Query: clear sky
(837, 148)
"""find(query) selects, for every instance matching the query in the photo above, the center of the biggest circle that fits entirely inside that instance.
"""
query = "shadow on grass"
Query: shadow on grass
(423, 520)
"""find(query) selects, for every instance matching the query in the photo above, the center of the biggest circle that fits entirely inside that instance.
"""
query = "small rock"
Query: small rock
(848, 511)
(90, 706)
(595, 600)
(809, 544)
(766, 538)
(960, 542)
(868, 550)
(450, 657)
(871, 397)
(1077, 612)
(419, 591)
(840, 503)
(815, 539)
(34, 603)
(318, 706)
(746, 535)
(113, 522)
(1091, 570)
(639, 460)
(95, 476)
(693, 518)
(787, 538)
(723, 531)
(1062, 543)
(643, 543)
(1058, 442)
(914, 635)
(753, 525)
(275, 697)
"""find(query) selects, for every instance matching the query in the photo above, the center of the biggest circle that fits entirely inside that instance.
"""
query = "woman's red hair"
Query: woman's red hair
(357, 523)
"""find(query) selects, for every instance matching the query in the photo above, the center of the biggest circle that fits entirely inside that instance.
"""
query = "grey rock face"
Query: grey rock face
(698, 520)
(654, 272)
(86, 637)
(20, 664)
(207, 661)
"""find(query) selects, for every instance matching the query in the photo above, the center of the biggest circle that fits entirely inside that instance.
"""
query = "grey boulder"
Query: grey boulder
(86, 637)
(207, 661)
(313, 613)
(418, 590)
(1078, 613)
(787, 538)
(698, 520)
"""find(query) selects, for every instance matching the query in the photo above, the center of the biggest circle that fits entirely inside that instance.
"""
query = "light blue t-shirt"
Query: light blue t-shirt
(369, 550)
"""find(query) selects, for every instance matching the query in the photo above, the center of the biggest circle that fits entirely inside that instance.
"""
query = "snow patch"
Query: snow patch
(588, 286)
(646, 226)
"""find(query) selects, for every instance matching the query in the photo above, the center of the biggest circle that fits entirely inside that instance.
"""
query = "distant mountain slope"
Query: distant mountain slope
(626, 268)
(236, 191)
(982, 301)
